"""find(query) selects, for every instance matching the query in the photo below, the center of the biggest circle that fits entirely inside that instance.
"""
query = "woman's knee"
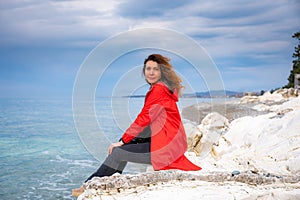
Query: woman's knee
(116, 153)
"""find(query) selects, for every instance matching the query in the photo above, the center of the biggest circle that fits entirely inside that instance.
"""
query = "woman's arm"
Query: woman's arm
(143, 120)
(150, 111)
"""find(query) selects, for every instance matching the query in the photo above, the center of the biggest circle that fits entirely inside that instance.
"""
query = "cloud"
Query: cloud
(253, 28)
(239, 36)
(82, 22)
(144, 9)
(50, 21)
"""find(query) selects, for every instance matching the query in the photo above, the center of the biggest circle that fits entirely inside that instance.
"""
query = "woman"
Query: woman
(159, 119)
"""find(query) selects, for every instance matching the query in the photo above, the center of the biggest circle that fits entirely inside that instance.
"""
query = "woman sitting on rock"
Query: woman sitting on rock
(157, 136)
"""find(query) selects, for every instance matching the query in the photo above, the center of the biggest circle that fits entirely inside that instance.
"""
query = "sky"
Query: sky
(43, 44)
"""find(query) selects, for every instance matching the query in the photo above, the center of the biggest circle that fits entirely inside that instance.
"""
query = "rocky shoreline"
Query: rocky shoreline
(117, 183)
(232, 109)
(250, 152)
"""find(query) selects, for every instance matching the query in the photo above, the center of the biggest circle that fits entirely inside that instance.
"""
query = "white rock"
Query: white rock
(261, 107)
(293, 104)
(294, 165)
(209, 131)
(268, 142)
(190, 130)
(280, 95)
(249, 99)
(215, 121)
(274, 97)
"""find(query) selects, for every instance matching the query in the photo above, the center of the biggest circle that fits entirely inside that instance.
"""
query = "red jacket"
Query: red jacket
(168, 138)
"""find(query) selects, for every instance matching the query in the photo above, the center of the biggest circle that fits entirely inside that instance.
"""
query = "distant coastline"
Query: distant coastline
(207, 94)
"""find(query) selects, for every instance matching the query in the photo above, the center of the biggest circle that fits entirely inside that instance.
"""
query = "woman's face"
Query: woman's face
(152, 72)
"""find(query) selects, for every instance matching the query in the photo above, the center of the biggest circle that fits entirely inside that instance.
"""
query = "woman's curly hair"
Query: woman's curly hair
(168, 74)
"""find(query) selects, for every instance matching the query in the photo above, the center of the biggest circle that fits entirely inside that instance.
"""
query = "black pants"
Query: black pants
(117, 160)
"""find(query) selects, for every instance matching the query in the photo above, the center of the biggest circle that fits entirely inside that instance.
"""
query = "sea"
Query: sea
(42, 154)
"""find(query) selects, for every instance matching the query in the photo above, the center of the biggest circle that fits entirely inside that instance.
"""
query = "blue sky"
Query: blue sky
(44, 43)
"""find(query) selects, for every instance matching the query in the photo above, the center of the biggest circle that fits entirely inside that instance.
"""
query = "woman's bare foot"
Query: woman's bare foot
(78, 191)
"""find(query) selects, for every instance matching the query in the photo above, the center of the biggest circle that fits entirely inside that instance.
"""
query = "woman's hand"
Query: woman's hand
(117, 144)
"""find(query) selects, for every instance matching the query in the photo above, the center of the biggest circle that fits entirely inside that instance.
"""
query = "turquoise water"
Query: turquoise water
(41, 154)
